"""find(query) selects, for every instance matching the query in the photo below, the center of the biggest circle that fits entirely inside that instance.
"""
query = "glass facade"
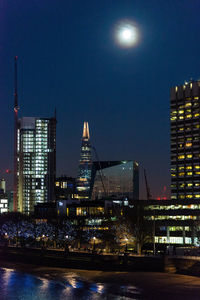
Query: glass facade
(185, 137)
(36, 146)
(115, 179)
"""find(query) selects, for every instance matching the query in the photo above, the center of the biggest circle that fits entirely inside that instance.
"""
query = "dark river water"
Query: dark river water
(23, 286)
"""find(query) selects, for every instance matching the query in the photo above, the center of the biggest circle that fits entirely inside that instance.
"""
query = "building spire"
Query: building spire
(86, 133)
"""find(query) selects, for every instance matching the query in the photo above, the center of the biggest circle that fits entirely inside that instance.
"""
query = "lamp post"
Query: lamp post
(43, 240)
(66, 245)
(94, 238)
(126, 245)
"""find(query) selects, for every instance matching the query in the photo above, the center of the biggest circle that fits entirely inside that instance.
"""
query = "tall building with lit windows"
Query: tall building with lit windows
(185, 141)
(36, 162)
(85, 164)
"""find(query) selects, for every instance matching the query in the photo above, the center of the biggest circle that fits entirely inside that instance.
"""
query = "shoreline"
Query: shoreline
(151, 284)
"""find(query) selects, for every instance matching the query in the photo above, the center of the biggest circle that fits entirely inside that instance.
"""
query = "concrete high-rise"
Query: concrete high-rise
(36, 162)
(185, 141)
(85, 165)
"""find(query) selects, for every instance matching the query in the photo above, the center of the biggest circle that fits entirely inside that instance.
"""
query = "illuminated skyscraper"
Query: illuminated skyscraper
(85, 165)
(185, 138)
(36, 161)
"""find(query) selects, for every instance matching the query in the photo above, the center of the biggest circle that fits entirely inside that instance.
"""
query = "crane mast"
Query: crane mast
(149, 197)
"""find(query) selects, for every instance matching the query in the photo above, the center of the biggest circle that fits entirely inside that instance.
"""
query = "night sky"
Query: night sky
(68, 58)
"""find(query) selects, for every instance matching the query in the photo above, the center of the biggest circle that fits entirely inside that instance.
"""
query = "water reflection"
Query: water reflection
(17, 285)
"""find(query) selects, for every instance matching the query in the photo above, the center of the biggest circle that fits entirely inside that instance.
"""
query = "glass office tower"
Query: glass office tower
(115, 179)
(185, 138)
(85, 165)
(36, 162)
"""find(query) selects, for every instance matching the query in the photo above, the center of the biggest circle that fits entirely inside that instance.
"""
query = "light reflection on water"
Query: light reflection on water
(22, 286)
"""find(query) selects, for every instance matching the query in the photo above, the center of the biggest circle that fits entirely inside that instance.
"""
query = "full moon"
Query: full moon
(126, 34)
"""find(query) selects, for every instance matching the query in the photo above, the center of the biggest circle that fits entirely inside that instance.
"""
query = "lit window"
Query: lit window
(196, 115)
(188, 145)
(174, 112)
(181, 156)
(181, 118)
(188, 116)
(188, 104)
(181, 174)
(196, 98)
(189, 184)
(189, 167)
(189, 156)
(181, 112)
(189, 173)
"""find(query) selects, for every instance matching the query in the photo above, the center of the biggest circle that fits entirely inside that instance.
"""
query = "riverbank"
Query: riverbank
(81, 260)
(151, 285)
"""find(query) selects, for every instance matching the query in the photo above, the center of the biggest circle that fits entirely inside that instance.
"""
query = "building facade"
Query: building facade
(36, 162)
(185, 141)
(85, 164)
(176, 221)
(115, 179)
(65, 188)
(3, 197)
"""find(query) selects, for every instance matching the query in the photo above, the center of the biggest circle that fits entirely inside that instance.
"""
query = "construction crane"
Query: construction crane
(100, 169)
(149, 197)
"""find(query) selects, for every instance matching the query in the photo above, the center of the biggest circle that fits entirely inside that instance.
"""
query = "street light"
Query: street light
(94, 238)
(126, 244)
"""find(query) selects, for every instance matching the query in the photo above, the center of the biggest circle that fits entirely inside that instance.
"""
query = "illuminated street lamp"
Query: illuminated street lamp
(94, 238)
(126, 240)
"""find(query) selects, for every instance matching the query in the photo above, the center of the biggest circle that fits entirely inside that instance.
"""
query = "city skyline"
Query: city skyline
(75, 63)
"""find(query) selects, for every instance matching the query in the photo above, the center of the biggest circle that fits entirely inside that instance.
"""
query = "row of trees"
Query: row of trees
(128, 229)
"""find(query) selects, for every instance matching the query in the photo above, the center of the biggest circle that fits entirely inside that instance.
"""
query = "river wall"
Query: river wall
(90, 261)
